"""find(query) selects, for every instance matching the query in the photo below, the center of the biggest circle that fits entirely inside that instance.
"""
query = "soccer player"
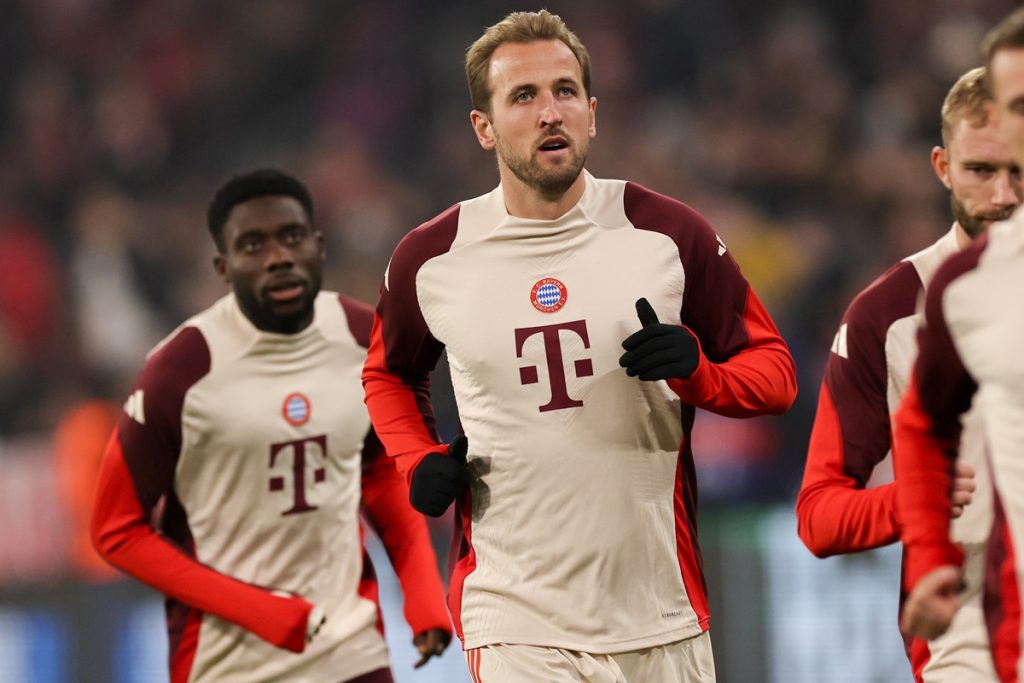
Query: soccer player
(868, 372)
(970, 354)
(234, 478)
(584, 321)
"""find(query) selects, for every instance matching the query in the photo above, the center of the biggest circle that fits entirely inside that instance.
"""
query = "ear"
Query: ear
(481, 123)
(220, 264)
(592, 128)
(940, 164)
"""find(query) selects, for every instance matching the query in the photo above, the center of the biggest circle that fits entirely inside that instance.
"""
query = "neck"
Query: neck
(963, 240)
(524, 201)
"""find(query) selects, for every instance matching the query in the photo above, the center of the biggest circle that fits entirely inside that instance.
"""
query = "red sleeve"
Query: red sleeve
(836, 513)
(926, 431)
(406, 539)
(745, 366)
(137, 474)
(396, 376)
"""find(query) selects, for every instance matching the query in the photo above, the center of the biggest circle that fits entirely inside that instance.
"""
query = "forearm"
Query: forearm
(924, 472)
(124, 538)
(757, 381)
(835, 518)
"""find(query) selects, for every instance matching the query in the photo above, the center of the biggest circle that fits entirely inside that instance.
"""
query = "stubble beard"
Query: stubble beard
(974, 224)
(550, 184)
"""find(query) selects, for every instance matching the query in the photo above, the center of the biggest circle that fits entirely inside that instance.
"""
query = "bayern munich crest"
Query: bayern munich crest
(548, 295)
(296, 409)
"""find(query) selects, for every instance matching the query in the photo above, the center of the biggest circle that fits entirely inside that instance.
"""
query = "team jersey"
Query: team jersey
(232, 484)
(867, 373)
(970, 351)
(579, 527)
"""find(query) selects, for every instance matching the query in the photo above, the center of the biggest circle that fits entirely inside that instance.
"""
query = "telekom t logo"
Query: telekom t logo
(299, 452)
(560, 397)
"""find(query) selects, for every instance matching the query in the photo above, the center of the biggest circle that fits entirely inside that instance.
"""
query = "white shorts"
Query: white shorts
(684, 661)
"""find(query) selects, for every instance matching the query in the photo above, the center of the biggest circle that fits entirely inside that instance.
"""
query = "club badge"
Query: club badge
(296, 409)
(548, 295)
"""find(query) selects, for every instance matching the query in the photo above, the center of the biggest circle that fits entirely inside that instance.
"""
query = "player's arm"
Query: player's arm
(926, 434)
(727, 356)
(137, 474)
(402, 353)
(836, 513)
(406, 538)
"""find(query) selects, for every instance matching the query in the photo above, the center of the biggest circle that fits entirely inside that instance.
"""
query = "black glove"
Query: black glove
(659, 350)
(439, 479)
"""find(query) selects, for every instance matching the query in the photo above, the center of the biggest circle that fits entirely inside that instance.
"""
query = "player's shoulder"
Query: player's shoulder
(646, 207)
(358, 315)
(893, 295)
(966, 260)
(177, 362)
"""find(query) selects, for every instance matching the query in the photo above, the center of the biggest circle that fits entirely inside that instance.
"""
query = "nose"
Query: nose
(550, 114)
(1007, 191)
(278, 256)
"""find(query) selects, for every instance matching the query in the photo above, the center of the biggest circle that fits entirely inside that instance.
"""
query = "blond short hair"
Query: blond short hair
(518, 27)
(966, 101)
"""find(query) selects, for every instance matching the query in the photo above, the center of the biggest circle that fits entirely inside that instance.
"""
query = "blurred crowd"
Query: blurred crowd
(800, 128)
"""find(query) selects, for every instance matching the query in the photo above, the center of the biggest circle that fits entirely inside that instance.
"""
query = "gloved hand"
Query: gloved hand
(439, 479)
(430, 643)
(659, 350)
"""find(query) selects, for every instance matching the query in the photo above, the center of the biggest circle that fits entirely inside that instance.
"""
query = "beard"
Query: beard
(974, 223)
(550, 183)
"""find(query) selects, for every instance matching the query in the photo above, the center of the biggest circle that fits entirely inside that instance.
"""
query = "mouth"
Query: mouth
(285, 290)
(553, 144)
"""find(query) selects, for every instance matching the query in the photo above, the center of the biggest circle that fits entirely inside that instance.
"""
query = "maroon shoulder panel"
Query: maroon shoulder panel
(360, 319)
(945, 385)
(151, 445)
(410, 350)
(858, 381)
(716, 291)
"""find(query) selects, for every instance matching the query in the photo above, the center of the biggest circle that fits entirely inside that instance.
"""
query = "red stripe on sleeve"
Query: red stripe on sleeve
(835, 514)
(122, 535)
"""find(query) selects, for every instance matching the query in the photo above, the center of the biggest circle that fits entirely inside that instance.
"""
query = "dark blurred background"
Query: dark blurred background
(801, 129)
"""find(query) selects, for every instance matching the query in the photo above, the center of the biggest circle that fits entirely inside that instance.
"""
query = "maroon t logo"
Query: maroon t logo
(298, 448)
(560, 397)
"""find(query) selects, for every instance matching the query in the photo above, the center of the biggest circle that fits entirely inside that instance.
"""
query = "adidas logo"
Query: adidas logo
(133, 407)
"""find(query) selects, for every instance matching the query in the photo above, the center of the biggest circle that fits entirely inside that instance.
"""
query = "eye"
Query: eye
(293, 236)
(522, 96)
(566, 91)
(250, 245)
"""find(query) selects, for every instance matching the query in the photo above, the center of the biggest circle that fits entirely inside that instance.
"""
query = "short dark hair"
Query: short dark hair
(258, 183)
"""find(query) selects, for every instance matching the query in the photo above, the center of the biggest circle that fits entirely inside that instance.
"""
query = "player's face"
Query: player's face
(541, 120)
(273, 261)
(1007, 75)
(983, 179)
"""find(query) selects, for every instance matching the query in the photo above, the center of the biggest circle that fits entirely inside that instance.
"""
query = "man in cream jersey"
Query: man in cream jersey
(234, 480)
(584, 320)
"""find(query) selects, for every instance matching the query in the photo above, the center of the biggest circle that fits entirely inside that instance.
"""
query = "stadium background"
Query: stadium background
(800, 129)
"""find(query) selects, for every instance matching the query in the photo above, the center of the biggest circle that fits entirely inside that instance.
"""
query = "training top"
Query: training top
(233, 483)
(970, 351)
(867, 374)
(579, 528)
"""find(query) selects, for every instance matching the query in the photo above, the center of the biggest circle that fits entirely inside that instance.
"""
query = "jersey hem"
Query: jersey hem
(689, 630)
